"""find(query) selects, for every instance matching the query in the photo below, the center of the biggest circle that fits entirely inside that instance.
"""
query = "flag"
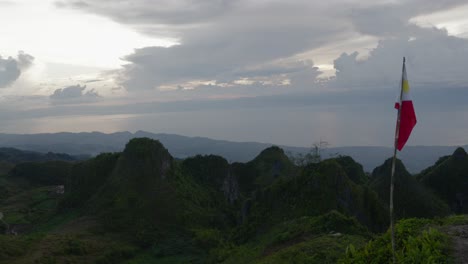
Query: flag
(407, 116)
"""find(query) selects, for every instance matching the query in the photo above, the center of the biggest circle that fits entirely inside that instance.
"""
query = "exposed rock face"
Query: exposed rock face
(213, 171)
(230, 188)
(245, 211)
(165, 166)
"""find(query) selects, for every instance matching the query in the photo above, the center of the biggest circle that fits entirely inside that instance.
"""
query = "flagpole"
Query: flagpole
(392, 177)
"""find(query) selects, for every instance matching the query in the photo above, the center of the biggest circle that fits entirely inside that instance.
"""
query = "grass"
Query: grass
(56, 221)
(30, 206)
(63, 248)
(325, 248)
(305, 239)
(14, 247)
(455, 220)
(417, 241)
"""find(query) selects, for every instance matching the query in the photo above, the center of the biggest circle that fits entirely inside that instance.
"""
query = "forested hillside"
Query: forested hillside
(142, 205)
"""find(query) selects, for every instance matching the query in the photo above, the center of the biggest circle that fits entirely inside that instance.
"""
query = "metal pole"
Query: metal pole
(392, 177)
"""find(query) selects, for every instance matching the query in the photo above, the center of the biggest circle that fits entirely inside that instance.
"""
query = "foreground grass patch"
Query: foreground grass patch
(417, 241)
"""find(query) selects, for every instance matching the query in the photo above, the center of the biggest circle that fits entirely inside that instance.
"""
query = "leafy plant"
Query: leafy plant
(418, 241)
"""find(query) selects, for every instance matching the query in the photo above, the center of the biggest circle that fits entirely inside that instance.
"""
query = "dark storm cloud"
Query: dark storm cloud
(73, 94)
(10, 68)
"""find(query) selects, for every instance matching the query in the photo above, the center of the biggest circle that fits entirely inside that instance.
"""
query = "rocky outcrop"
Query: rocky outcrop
(215, 172)
(230, 188)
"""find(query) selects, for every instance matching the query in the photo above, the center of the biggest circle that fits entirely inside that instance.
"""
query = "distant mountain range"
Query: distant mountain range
(415, 158)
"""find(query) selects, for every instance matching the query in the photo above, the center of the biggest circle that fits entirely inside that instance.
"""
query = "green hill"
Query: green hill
(152, 200)
(86, 178)
(271, 164)
(144, 206)
(448, 178)
(411, 198)
(317, 190)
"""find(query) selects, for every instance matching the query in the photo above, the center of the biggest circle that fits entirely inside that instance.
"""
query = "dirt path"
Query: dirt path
(460, 243)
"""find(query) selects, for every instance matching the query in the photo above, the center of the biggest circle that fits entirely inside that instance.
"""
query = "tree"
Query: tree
(313, 156)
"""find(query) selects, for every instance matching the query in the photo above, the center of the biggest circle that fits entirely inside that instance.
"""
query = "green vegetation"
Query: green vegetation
(42, 173)
(353, 169)
(270, 165)
(144, 206)
(320, 188)
(210, 170)
(417, 241)
(412, 199)
(86, 178)
(321, 238)
(448, 178)
(13, 247)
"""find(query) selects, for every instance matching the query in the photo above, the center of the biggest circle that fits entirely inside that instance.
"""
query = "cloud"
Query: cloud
(259, 43)
(149, 12)
(254, 63)
(73, 94)
(220, 41)
(248, 41)
(433, 58)
(6, 3)
(361, 117)
(11, 68)
(392, 18)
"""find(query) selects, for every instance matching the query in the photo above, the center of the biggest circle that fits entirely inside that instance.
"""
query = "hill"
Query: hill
(14, 156)
(448, 178)
(416, 158)
(142, 205)
(411, 198)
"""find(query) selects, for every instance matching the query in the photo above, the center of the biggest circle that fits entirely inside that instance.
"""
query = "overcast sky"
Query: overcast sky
(285, 72)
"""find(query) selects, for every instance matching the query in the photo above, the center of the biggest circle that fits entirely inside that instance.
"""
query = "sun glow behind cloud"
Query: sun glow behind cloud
(257, 78)
(66, 36)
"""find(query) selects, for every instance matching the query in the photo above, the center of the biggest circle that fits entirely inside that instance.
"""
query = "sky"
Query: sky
(284, 72)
